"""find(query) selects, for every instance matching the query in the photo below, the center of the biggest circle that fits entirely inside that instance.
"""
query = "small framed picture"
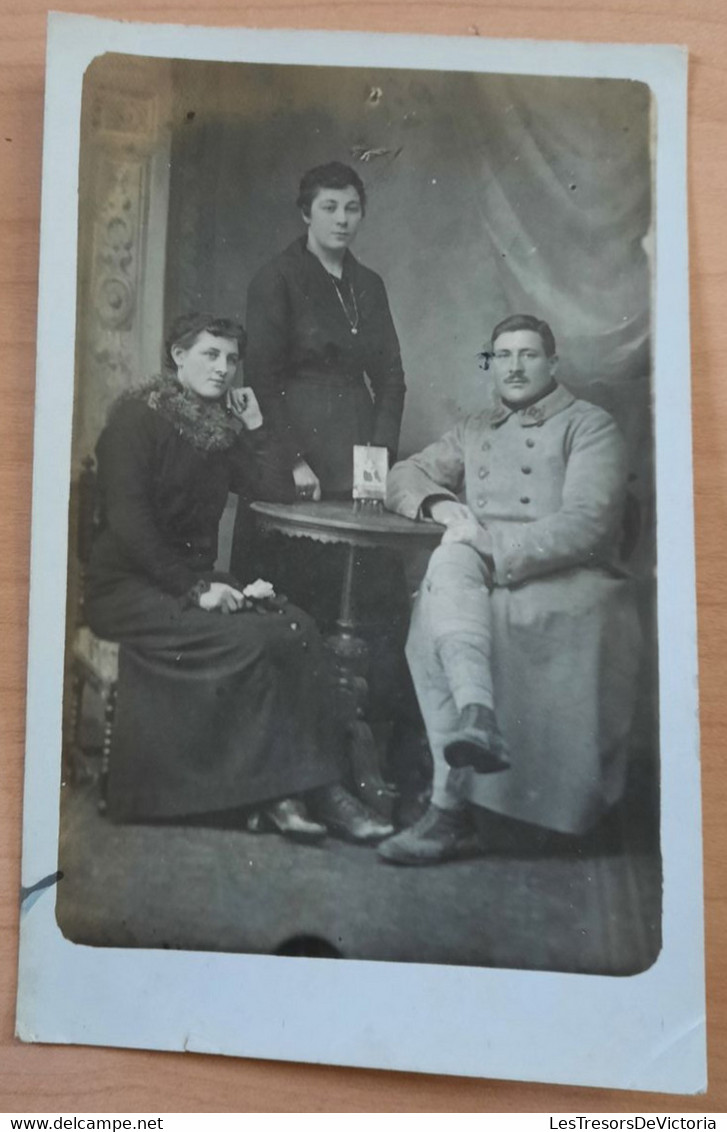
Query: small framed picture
(370, 469)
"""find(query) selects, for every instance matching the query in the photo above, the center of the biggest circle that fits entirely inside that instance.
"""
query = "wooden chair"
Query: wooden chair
(94, 662)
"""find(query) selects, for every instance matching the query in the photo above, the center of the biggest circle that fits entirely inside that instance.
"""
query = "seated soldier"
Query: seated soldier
(524, 639)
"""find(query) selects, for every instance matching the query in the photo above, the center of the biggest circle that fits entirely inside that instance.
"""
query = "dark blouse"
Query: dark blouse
(311, 345)
(162, 491)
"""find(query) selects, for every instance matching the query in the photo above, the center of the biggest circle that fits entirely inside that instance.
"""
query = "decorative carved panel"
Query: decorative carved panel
(124, 139)
(117, 232)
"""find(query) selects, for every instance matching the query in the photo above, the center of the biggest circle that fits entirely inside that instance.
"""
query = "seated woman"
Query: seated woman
(219, 708)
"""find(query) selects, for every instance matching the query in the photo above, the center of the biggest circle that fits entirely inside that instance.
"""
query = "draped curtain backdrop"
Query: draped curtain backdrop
(488, 195)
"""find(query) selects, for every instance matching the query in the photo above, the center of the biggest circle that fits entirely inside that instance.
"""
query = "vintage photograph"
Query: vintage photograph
(310, 709)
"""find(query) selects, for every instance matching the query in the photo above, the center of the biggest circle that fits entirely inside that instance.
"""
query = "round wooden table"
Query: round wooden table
(356, 525)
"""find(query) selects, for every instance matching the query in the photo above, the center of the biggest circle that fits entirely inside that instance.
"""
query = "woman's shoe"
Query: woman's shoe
(347, 817)
(290, 817)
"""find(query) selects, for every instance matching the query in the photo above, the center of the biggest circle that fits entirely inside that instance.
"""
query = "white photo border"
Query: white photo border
(646, 1031)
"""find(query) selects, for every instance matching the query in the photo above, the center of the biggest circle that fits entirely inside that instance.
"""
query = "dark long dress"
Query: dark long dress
(214, 711)
(325, 388)
(309, 368)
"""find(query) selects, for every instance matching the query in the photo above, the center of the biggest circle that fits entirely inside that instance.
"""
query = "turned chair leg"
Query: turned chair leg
(109, 714)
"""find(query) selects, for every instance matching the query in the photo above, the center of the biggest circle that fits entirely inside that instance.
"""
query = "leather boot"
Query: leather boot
(439, 835)
(477, 742)
(347, 817)
(289, 817)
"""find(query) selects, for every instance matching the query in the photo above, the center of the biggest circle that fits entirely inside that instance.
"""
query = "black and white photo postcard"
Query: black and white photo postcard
(362, 702)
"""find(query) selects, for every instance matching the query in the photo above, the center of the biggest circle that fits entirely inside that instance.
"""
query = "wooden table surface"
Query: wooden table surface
(86, 1080)
(345, 522)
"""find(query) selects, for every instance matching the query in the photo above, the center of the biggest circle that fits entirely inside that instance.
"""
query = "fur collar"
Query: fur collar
(205, 424)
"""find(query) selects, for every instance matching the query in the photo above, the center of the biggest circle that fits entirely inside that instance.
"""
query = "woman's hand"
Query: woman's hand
(243, 403)
(221, 597)
(448, 512)
(307, 484)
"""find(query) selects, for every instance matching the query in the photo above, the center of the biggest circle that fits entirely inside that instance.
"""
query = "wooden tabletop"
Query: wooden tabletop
(356, 524)
(85, 1080)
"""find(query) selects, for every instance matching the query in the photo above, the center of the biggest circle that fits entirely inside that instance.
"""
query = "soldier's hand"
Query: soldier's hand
(449, 512)
(469, 531)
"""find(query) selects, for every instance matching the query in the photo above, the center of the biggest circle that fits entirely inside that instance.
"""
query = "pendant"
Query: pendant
(354, 330)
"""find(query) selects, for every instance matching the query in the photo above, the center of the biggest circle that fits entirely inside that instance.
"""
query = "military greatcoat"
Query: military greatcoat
(548, 482)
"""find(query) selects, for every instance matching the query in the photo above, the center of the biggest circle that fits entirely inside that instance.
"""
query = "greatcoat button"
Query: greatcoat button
(482, 501)
(294, 625)
(525, 470)
(483, 472)
(530, 442)
(524, 498)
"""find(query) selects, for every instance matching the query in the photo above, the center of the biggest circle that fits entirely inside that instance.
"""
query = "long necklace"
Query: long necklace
(352, 322)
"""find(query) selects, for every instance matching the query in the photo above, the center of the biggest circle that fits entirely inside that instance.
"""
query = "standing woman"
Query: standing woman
(323, 358)
(319, 329)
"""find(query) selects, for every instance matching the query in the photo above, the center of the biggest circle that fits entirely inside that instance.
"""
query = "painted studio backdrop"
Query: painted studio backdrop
(487, 195)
